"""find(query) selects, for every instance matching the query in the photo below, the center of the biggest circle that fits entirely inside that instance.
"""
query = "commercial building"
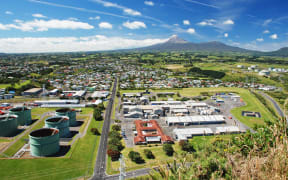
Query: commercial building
(184, 134)
(100, 94)
(150, 132)
(194, 120)
(32, 92)
(227, 130)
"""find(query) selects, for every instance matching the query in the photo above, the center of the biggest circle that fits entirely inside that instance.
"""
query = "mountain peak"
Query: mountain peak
(175, 39)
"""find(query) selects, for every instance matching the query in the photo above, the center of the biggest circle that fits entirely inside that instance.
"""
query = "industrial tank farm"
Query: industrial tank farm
(44, 142)
(71, 113)
(8, 125)
(59, 122)
(24, 115)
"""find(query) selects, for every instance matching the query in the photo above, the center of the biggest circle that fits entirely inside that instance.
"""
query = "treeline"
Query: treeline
(209, 73)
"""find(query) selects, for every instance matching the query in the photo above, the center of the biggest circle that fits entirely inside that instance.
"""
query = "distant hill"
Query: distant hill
(177, 44)
(280, 52)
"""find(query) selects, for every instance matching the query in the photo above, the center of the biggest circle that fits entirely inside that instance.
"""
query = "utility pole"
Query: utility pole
(122, 168)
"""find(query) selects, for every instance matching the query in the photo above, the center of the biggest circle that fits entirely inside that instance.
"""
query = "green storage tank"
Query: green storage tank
(71, 113)
(59, 122)
(24, 115)
(8, 125)
(44, 142)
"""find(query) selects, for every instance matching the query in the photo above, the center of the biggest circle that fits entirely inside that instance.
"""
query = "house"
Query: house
(32, 92)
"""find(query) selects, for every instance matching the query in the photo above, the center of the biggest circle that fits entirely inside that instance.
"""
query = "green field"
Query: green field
(78, 162)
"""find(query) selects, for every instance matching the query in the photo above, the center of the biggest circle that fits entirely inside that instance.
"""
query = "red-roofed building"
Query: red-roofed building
(150, 132)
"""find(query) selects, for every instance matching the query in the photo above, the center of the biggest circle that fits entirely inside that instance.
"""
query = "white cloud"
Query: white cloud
(226, 35)
(95, 18)
(186, 22)
(191, 31)
(123, 8)
(274, 36)
(228, 22)
(105, 25)
(208, 22)
(43, 25)
(134, 25)
(70, 44)
(260, 39)
(9, 12)
(39, 16)
(267, 22)
(266, 32)
(149, 3)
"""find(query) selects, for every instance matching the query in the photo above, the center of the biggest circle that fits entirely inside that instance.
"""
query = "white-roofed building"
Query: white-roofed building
(184, 134)
(227, 130)
(194, 120)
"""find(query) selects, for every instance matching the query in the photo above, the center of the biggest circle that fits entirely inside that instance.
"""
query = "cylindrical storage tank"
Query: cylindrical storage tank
(71, 113)
(8, 125)
(23, 113)
(59, 122)
(44, 142)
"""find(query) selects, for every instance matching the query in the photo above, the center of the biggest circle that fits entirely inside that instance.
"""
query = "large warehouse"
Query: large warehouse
(194, 120)
(184, 134)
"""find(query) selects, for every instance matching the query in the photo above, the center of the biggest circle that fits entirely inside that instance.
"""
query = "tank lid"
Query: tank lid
(57, 119)
(44, 132)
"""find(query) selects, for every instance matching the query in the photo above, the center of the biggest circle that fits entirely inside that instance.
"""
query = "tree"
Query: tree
(148, 153)
(95, 131)
(115, 135)
(101, 106)
(116, 127)
(89, 98)
(117, 143)
(186, 146)
(168, 149)
(113, 152)
(97, 114)
(136, 157)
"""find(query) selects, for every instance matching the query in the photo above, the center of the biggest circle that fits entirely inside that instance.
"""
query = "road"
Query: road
(100, 166)
(275, 104)
(130, 174)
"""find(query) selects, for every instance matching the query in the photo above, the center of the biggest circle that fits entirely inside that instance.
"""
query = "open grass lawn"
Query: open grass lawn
(78, 162)
(4, 85)
(160, 156)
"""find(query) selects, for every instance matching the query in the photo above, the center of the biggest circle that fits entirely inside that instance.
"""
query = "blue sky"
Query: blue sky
(88, 25)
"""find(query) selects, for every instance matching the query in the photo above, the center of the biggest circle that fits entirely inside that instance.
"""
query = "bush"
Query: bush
(95, 131)
(117, 121)
(136, 157)
(186, 146)
(113, 152)
(148, 153)
(115, 135)
(117, 143)
(97, 114)
(168, 149)
(116, 127)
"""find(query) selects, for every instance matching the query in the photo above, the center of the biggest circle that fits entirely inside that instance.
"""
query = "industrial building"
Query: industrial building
(57, 101)
(59, 122)
(75, 94)
(149, 132)
(44, 142)
(8, 125)
(23, 115)
(227, 130)
(184, 134)
(100, 94)
(32, 92)
(194, 120)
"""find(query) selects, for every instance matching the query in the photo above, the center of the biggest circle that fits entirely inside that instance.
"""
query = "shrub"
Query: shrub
(148, 153)
(168, 149)
(186, 146)
(136, 157)
(116, 127)
(95, 131)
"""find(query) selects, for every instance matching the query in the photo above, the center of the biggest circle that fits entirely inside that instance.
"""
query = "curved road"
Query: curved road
(275, 104)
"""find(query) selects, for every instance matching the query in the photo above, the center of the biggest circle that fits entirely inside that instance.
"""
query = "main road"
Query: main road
(100, 166)
(275, 104)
